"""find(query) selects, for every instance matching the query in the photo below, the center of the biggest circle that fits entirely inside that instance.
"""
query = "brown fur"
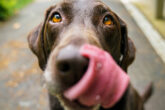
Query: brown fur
(83, 24)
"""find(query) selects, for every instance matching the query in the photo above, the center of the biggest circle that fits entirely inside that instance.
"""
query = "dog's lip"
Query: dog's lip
(81, 105)
(78, 104)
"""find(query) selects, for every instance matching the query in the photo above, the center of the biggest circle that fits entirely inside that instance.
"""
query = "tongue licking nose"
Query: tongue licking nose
(103, 83)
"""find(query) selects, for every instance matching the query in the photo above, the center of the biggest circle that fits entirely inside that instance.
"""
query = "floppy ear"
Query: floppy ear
(36, 42)
(127, 47)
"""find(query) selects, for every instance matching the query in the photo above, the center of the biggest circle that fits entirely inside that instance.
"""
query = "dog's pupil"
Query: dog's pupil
(106, 19)
(57, 16)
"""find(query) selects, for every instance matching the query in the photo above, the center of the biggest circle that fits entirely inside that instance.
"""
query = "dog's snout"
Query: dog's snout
(70, 62)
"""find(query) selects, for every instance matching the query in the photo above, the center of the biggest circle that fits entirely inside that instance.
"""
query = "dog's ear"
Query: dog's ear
(127, 47)
(36, 41)
(35, 44)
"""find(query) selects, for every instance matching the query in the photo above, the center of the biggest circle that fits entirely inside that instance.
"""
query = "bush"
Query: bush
(8, 7)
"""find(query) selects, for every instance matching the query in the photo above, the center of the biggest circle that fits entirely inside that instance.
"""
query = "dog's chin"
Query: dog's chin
(68, 105)
(74, 105)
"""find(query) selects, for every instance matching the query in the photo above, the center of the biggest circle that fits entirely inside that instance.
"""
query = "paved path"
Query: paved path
(20, 82)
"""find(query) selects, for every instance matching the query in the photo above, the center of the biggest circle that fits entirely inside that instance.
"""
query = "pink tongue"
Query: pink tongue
(104, 82)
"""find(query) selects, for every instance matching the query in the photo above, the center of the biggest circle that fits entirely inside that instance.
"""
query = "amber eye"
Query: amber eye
(107, 20)
(56, 18)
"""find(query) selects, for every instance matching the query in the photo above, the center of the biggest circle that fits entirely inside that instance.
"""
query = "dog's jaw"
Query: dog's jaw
(69, 105)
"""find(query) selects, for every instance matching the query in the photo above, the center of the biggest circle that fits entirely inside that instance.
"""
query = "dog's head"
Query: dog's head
(67, 26)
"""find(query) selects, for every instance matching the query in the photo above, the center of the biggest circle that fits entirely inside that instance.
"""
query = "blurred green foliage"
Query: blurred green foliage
(9, 7)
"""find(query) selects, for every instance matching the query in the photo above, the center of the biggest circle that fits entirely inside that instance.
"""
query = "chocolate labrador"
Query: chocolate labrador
(69, 25)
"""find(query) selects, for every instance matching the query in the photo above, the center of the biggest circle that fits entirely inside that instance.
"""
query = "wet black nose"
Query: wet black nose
(69, 62)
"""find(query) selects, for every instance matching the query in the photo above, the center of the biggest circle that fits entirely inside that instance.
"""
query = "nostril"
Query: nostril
(63, 66)
(70, 63)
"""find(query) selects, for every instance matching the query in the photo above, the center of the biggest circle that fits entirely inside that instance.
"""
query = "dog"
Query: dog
(56, 42)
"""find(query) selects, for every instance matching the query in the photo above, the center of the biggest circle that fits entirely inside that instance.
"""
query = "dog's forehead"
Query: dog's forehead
(80, 1)
(83, 6)
(85, 3)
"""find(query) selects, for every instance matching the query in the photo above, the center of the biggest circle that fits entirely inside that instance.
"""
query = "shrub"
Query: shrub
(8, 7)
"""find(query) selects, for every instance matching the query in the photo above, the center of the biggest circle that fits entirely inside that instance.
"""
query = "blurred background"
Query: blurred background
(21, 86)
(154, 11)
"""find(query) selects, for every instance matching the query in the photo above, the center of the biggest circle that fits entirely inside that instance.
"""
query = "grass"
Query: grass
(148, 10)
(10, 7)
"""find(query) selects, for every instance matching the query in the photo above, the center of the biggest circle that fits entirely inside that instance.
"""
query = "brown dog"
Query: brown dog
(56, 42)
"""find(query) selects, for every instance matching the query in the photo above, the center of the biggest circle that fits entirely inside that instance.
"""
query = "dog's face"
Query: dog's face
(69, 25)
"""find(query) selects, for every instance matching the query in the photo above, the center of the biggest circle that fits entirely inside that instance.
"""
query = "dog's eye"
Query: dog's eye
(56, 18)
(107, 20)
